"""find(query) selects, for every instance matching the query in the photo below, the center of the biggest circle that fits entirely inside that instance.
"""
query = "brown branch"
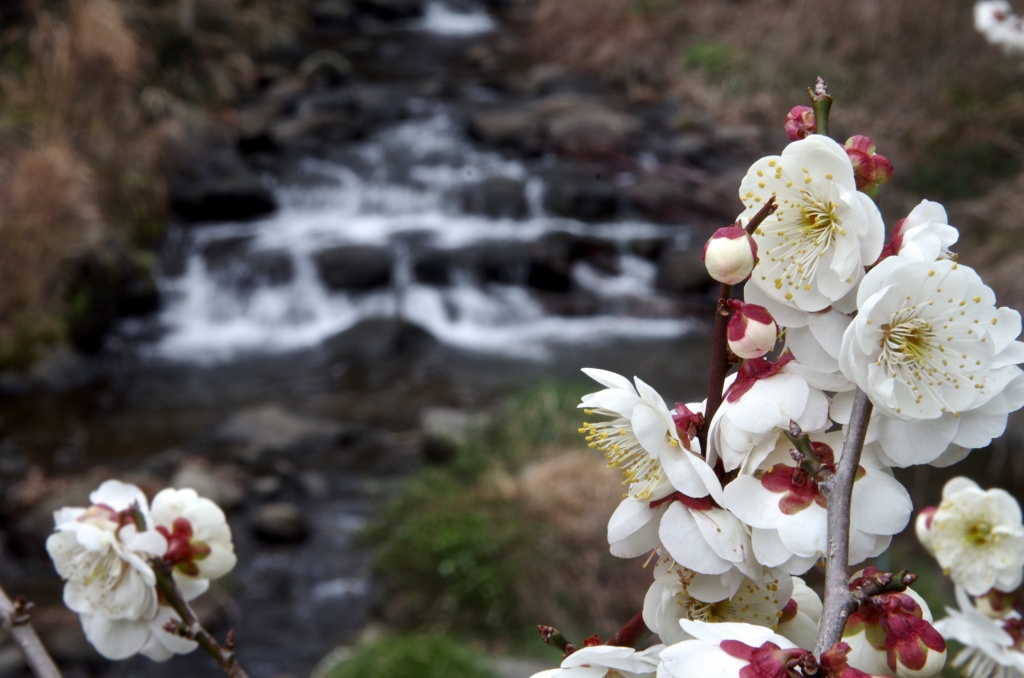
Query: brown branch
(188, 625)
(631, 633)
(838, 491)
(14, 619)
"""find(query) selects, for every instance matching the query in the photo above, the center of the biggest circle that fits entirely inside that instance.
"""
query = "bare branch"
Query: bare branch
(14, 619)
(838, 490)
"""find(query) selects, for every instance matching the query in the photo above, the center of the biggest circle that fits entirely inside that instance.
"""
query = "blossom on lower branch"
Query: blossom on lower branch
(993, 646)
(597, 661)
(104, 553)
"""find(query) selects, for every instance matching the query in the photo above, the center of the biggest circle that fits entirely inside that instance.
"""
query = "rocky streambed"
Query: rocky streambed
(406, 224)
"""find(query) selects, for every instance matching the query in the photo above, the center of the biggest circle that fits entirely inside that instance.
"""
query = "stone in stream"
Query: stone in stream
(354, 267)
(260, 435)
(279, 523)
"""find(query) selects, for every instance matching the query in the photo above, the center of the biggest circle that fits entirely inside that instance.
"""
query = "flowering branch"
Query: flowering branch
(14, 619)
(189, 627)
(838, 491)
(719, 349)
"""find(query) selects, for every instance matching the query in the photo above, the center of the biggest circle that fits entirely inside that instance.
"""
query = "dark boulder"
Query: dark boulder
(354, 267)
(208, 180)
(581, 193)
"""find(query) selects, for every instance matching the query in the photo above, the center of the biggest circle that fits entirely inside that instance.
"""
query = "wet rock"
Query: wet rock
(234, 264)
(380, 338)
(515, 128)
(222, 484)
(209, 181)
(279, 523)
(354, 267)
(267, 487)
(496, 197)
(259, 435)
(587, 130)
(681, 270)
(332, 13)
(581, 193)
(392, 9)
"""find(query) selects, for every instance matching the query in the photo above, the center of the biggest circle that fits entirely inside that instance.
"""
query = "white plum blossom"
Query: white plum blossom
(199, 545)
(643, 440)
(726, 649)
(680, 593)
(812, 251)
(781, 501)
(800, 616)
(709, 540)
(929, 346)
(996, 20)
(992, 647)
(977, 537)
(598, 661)
(924, 235)
(103, 555)
(744, 430)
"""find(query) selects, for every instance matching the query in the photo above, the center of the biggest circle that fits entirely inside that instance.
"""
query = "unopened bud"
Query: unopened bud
(870, 169)
(752, 331)
(800, 122)
(730, 255)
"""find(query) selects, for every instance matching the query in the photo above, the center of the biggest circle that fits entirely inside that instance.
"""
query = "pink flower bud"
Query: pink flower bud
(730, 255)
(870, 169)
(752, 331)
(800, 122)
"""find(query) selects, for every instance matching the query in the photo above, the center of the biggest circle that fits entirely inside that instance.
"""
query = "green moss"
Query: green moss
(712, 59)
(422, 656)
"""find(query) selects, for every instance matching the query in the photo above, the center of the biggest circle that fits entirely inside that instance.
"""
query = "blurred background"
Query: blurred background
(336, 264)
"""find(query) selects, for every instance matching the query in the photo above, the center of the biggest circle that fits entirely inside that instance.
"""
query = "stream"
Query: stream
(406, 269)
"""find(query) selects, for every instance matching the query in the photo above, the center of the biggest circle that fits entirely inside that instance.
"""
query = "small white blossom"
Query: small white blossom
(643, 440)
(929, 345)
(813, 249)
(726, 649)
(977, 537)
(679, 593)
(199, 545)
(598, 661)
(990, 651)
(925, 234)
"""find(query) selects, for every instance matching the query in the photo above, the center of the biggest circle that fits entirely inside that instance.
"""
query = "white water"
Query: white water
(402, 184)
(439, 18)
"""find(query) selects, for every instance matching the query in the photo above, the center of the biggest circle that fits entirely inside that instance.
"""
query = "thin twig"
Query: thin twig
(14, 618)
(838, 491)
(189, 626)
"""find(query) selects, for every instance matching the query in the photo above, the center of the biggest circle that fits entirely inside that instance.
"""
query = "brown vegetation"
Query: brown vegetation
(943, 104)
(91, 93)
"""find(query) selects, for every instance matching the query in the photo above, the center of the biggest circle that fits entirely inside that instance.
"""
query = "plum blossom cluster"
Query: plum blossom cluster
(977, 537)
(112, 553)
(840, 328)
(996, 20)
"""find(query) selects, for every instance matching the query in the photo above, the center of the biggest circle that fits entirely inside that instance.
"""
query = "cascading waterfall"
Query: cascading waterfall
(400, 196)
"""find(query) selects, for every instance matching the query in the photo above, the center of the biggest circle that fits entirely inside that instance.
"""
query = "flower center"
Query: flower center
(979, 533)
(804, 240)
(616, 439)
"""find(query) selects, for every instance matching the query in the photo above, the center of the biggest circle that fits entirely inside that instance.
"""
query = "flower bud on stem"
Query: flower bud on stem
(189, 627)
(719, 342)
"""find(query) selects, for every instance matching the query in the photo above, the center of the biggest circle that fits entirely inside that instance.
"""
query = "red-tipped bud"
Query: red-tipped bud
(730, 255)
(870, 169)
(800, 122)
(752, 331)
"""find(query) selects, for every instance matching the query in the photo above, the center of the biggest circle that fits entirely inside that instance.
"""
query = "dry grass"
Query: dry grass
(574, 493)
